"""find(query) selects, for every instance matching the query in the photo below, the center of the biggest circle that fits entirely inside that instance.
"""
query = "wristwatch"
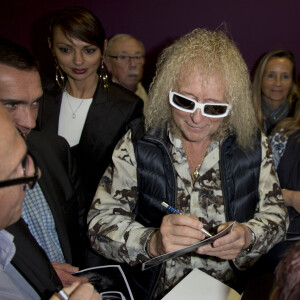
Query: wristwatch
(253, 240)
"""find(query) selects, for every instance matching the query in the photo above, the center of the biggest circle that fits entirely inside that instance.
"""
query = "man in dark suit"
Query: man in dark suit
(53, 208)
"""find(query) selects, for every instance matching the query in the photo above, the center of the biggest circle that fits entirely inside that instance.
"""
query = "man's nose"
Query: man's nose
(132, 61)
(197, 116)
(27, 118)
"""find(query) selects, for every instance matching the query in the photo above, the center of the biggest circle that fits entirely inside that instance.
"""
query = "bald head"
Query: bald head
(12, 152)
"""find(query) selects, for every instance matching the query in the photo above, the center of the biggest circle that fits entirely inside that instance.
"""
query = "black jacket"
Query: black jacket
(61, 186)
(32, 262)
(111, 110)
(289, 176)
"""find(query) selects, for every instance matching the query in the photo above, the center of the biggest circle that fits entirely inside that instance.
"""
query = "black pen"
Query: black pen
(176, 212)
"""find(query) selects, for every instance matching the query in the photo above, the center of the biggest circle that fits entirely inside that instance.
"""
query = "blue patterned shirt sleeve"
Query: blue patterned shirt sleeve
(278, 143)
(37, 214)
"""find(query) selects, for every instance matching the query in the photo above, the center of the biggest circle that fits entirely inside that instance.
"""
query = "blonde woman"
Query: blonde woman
(275, 91)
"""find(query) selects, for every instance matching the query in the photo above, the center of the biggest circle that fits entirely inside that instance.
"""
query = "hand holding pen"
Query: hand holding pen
(176, 212)
(175, 233)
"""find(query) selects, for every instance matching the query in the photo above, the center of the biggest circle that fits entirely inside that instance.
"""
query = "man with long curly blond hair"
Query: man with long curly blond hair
(200, 153)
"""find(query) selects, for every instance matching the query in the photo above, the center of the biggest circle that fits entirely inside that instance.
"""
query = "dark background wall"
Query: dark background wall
(256, 25)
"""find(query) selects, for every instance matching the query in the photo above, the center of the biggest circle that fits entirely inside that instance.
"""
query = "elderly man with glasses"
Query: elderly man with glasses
(201, 153)
(124, 59)
(18, 169)
(52, 207)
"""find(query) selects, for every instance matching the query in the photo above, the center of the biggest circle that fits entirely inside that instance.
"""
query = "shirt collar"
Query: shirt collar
(7, 248)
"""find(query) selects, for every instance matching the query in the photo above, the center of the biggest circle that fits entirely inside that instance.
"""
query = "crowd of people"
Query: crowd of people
(88, 156)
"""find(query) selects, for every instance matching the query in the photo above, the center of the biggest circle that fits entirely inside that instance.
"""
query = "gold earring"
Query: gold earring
(59, 77)
(103, 75)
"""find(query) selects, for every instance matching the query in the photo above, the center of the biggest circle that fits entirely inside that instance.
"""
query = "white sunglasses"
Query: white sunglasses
(211, 110)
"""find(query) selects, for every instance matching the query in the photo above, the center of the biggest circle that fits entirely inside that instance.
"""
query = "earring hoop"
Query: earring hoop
(103, 75)
(59, 77)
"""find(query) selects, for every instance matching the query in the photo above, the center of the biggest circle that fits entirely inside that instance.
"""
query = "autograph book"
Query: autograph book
(160, 259)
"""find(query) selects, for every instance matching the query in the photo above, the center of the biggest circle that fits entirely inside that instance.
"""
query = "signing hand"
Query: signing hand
(176, 232)
(230, 245)
(64, 272)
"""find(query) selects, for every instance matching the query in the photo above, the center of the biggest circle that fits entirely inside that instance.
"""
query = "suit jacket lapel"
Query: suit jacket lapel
(92, 119)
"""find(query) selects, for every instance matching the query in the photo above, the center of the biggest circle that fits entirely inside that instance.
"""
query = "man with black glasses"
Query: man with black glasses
(201, 154)
(18, 169)
(52, 208)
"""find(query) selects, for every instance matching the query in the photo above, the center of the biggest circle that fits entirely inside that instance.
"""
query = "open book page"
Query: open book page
(160, 259)
(109, 281)
(198, 285)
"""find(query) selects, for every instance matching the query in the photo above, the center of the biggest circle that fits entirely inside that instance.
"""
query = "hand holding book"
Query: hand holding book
(175, 227)
(161, 258)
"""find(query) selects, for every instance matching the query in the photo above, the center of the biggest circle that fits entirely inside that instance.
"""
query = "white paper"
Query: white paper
(198, 285)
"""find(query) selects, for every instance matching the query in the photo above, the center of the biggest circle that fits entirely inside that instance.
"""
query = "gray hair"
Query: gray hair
(121, 36)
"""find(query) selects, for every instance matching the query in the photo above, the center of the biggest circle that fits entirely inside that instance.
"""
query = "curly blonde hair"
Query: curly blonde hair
(293, 94)
(209, 52)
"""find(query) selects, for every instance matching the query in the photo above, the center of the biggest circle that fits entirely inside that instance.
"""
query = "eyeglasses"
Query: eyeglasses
(211, 110)
(125, 59)
(29, 180)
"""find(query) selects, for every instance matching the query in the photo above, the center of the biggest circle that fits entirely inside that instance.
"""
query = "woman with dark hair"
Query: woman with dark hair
(82, 106)
(275, 91)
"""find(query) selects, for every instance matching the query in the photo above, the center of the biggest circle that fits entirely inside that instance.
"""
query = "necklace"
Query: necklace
(72, 110)
(195, 173)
